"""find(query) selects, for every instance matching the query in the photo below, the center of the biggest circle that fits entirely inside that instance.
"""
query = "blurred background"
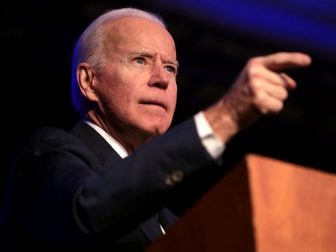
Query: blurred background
(214, 40)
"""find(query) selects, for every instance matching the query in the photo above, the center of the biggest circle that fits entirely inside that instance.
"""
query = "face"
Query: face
(136, 86)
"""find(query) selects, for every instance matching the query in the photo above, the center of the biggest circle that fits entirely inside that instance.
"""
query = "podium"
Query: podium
(262, 205)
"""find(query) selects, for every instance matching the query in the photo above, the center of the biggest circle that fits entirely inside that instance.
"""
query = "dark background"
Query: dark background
(37, 39)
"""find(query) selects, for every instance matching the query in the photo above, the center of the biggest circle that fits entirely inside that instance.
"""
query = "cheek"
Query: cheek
(120, 100)
(115, 96)
(173, 97)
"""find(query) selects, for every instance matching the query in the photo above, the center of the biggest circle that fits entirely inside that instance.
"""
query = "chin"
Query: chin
(156, 128)
(153, 124)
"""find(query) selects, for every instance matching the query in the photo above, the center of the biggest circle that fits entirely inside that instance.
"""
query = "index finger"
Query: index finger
(284, 60)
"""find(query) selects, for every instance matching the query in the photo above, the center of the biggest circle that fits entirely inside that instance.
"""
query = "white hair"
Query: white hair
(89, 46)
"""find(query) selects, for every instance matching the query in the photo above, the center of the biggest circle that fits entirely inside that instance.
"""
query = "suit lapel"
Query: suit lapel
(95, 142)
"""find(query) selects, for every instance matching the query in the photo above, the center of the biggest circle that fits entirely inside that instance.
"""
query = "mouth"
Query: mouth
(154, 103)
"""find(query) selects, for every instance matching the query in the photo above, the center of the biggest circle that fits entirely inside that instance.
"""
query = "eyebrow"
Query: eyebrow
(172, 62)
(150, 55)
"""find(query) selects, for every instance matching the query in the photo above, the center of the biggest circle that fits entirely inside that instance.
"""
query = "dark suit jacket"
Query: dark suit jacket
(71, 191)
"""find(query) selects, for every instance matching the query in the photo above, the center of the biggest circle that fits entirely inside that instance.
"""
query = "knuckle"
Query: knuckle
(282, 93)
(253, 61)
(255, 86)
(253, 71)
(285, 94)
(260, 99)
(278, 107)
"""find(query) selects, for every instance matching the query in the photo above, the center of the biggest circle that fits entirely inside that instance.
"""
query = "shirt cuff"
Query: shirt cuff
(212, 143)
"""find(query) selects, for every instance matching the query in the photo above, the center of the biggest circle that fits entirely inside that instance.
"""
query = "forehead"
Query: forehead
(139, 32)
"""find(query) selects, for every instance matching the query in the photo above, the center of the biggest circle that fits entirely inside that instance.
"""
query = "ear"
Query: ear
(86, 79)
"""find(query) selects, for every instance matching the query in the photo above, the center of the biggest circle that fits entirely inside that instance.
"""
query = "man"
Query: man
(105, 185)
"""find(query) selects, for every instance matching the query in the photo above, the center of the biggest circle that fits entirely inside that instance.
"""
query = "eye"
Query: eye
(171, 69)
(140, 60)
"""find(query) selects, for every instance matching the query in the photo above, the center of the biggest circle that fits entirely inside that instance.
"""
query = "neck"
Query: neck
(129, 137)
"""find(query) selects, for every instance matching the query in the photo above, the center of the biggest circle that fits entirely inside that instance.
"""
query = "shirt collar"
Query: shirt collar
(114, 143)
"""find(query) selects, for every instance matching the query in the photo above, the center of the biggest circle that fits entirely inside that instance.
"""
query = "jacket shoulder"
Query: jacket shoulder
(48, 140)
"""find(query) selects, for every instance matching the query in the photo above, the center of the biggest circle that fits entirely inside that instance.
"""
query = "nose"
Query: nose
(159, 76)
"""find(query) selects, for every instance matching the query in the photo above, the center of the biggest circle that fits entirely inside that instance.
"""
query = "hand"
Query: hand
(261, 88)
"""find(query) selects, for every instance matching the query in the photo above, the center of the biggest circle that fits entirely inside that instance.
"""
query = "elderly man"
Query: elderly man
(105, 185)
